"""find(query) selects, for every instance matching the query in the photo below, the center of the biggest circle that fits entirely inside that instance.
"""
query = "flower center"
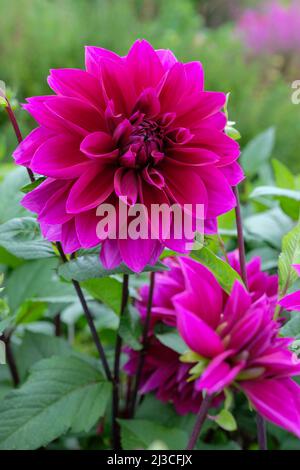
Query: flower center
(144, 146)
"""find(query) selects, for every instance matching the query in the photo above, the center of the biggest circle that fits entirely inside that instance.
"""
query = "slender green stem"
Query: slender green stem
(116, 384)
(261, 425)
(143, 352)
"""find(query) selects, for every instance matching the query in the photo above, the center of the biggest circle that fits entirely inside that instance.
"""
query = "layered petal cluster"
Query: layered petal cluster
(164, 373)
(136, 129)
(292, 301)
(241, 345)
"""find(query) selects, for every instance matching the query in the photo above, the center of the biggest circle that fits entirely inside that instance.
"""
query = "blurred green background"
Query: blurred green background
(36, 35)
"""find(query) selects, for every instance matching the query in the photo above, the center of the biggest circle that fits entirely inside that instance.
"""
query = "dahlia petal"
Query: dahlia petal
(26, 149)
(210, 306)
(218, 375)
(238, 303)
(86, 227)
(36, 200)
(199, 336)
(219, 202)
(126, 185)
(77, 115)
(36, 107)
(233, 173)
(59, 157)
(148, 103)
(76, 83)
(136, 254)
(297, 268)
(218, 142)
(118, 85)
(144, 65)
(99, 145)
(69, 239)
(195, 76)
(91, 189)
(216, 121)
(246, 328)
(196, 107)
(167, 58)
(291, 301)
(184, 185)
(172, 88)
(93, 57)
(192, 156)
(277, 400)
(110, 255)
(54, 211)
(51, 232)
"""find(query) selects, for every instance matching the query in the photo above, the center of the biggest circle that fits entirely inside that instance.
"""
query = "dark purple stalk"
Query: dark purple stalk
(143, 352)
(201, 416)
(261, 425)
(76, 284)
(57, 325)
(18, 133)
(116, 384)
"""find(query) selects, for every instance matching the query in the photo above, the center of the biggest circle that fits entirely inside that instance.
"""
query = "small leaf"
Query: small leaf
(31, 186)
(108, 290)
(226, 420)
(130, 329)
(275, 192)
(173, 341)
(292, 327)
(223, 272)
(290, 255)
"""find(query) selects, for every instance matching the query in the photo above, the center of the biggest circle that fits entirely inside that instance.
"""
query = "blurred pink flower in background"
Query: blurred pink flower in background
(164, 373)
(139, 127)
(272, 29)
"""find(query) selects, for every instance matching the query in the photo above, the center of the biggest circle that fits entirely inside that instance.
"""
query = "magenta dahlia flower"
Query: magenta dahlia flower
(292, 301)
(240, 344)
(138, 128)
(164, 373)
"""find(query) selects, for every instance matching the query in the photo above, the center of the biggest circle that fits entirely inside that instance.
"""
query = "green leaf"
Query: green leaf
(61, 393)
(89, 267)
(290, 255)
(30, 312)
(258, 151)
(275, 192)
(173, 341)
(223, 272)
(226, 420)
(141, 434)
(31, 186)
(285, 179)
(37, 346)
(10, 195)
(37, 280)
(269, 226)
(22, 238)
(292, 327)
(108, 290)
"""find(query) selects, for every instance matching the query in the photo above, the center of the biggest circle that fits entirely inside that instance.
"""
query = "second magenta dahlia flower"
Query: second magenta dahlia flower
(164, 374)
(239, 347)
(138, 128)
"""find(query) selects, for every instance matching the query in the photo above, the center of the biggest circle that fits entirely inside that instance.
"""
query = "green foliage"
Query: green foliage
(224, 273)
(61, 393)
(257, 152)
